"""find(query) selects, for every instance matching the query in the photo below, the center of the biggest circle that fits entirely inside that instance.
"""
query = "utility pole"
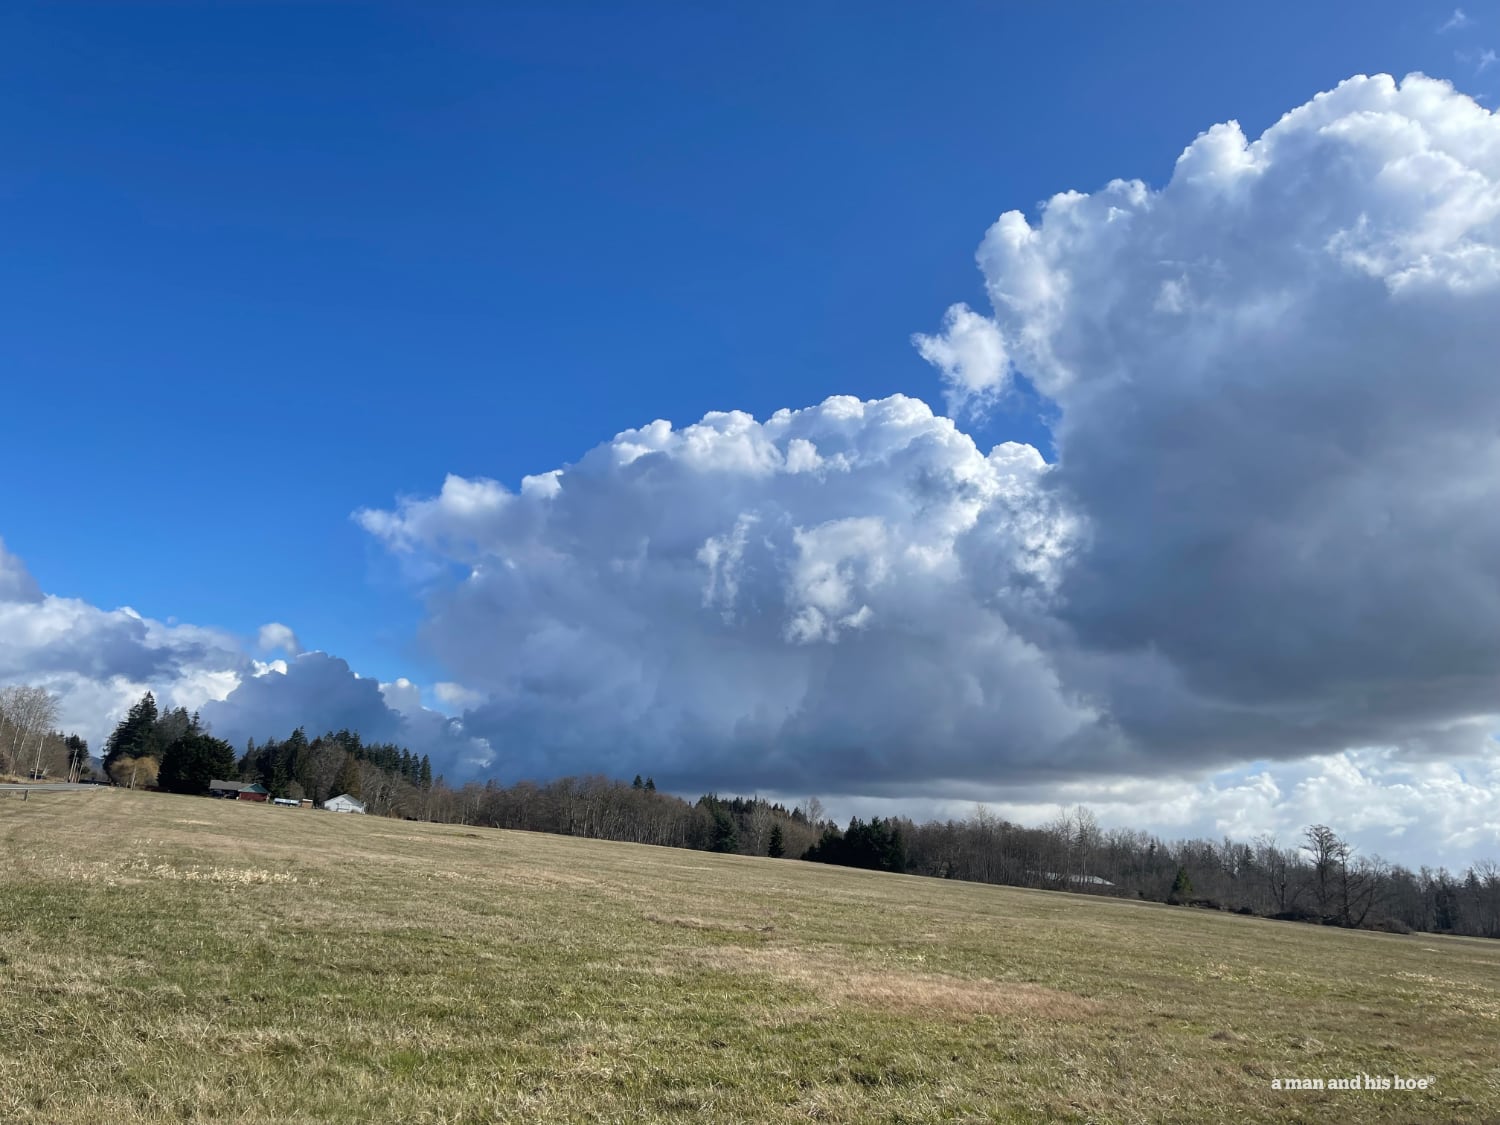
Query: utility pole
(36, 769)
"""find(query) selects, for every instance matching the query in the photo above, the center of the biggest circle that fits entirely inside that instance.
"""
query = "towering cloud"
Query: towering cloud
(1280, 423)
(838, 592)
(1269, 533)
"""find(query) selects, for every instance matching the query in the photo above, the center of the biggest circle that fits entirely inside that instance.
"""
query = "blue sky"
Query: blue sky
(1190, 518)
(270, 263)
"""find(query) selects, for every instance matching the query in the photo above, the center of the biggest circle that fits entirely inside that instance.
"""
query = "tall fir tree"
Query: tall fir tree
(1182, 888)
(136, 735)
(775, 848)
(723, 835)
(192, 761)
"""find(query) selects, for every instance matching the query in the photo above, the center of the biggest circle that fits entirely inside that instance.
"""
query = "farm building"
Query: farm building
(238, 790)
(344, 803)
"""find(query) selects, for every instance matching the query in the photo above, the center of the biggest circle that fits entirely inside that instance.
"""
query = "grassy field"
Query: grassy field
(178, 959)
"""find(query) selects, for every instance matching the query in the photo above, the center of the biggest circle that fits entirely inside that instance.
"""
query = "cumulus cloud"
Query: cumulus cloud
(99, 662)
(320, 692)
(833, 592)
(970, 353)
(16, 583)
(1278, 424)
(274, 636)
(1268, 533)
(456, 695)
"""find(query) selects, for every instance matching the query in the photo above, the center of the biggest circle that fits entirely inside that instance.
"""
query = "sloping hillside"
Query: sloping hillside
(171, 958)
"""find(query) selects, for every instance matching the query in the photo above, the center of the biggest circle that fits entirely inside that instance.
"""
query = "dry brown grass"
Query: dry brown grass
(829, 975)
(171, 959)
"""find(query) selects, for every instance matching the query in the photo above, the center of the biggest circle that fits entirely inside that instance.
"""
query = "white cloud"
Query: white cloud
(275, 635)
(1457, 21)
(320, 692)
(402, 695)
(814, 592)
(99, 662)
(1268, 534)
(1285, 477)
(456, 695)
(16, 583)
(971, 355)
(1406, 811)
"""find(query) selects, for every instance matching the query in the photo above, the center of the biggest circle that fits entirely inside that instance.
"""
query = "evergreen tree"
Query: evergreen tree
(135, 737)
(424, 776)
(723, 835)
(828, 847)
(1182, 887)
(776, 848)
(876, 846)
(192, 761)
(637, 783)
(650, 785)
(170, 726)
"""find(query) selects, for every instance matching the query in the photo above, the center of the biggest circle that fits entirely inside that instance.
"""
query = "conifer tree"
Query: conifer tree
(776, 848)
(135, 737)
(724, 836)
(1182, 888)
(192, 761)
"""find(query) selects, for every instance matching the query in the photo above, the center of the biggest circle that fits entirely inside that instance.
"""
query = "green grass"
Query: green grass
(175, 959)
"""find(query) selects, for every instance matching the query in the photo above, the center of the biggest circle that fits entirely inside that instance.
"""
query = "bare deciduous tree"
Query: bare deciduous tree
(29, 713)
(135, 773)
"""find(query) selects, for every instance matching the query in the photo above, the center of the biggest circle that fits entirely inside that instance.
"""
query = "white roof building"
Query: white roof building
(344, 803)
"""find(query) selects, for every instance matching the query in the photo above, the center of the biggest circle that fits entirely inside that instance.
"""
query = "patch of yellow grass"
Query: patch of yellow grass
(838, 980)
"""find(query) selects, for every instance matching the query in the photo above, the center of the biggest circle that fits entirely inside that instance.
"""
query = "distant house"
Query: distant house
(238, 790)
(343, 803)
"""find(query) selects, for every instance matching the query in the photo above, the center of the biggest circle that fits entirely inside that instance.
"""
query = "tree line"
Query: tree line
(173, 750)
(1320, 877)
(30, 746)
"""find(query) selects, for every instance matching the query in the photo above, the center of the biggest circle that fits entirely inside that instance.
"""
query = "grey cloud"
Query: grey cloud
(1268, 532)
(16, 582)
(1280, 423)
(319, 692)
